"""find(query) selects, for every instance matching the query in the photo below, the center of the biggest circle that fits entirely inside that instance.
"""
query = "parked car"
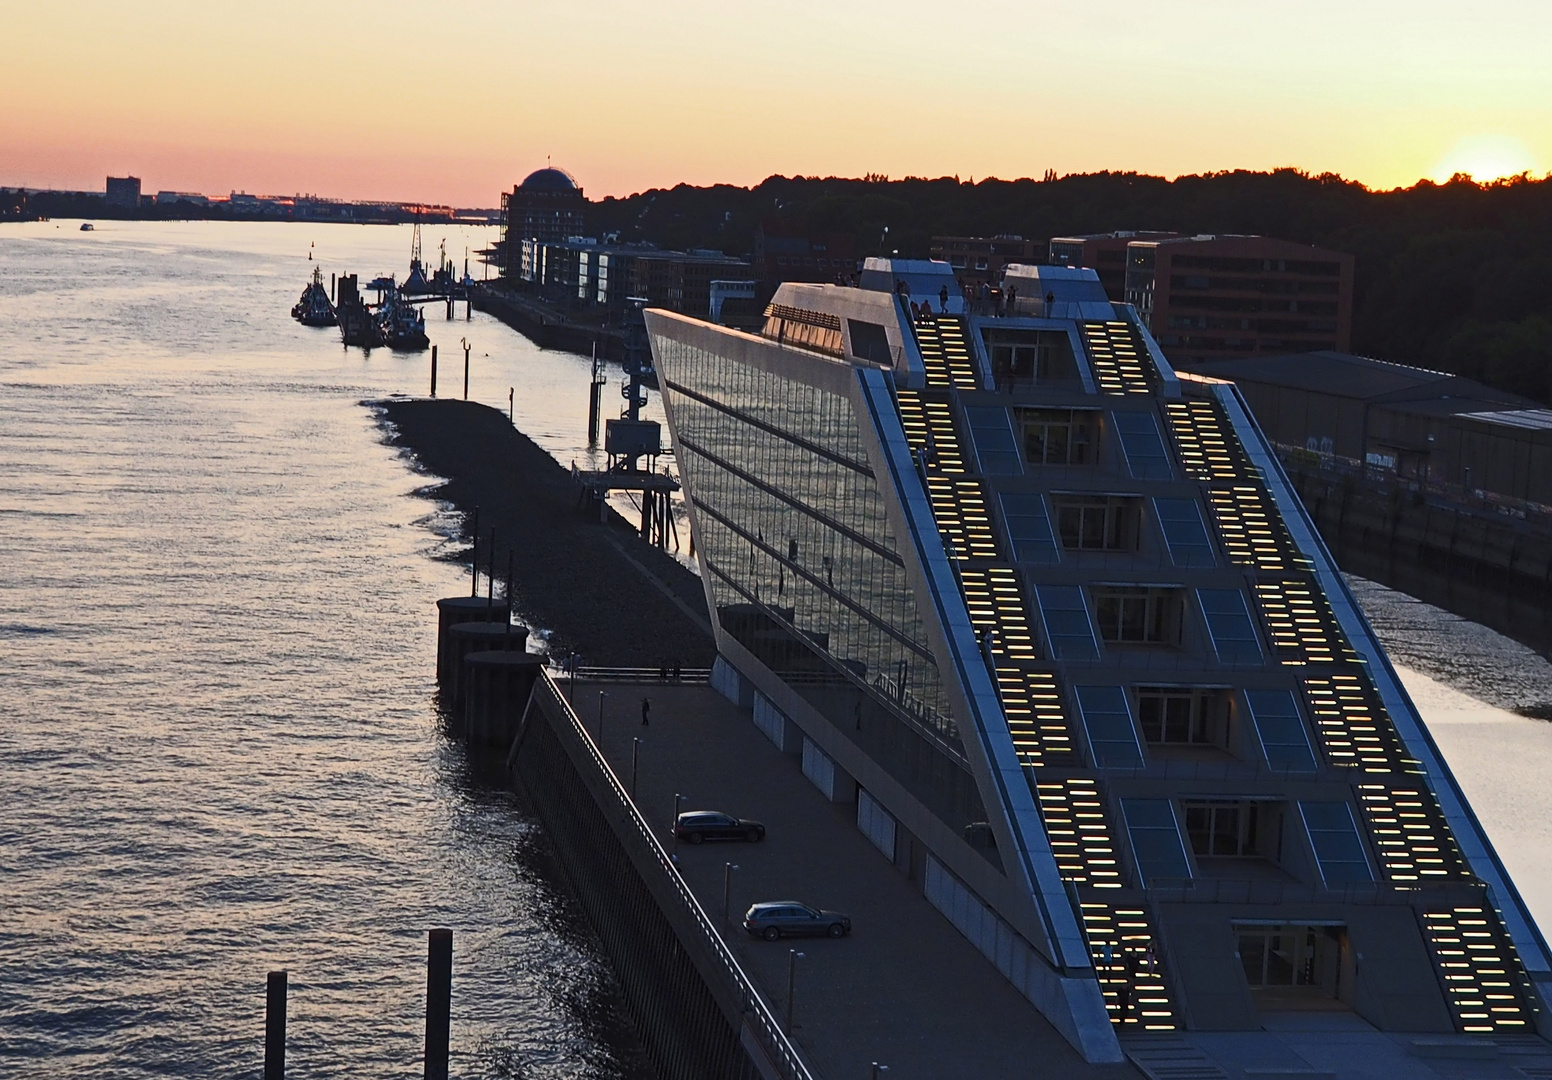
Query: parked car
(787, 918)
(698, 825)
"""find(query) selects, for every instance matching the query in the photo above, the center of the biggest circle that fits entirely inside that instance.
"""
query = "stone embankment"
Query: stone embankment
(599, 589)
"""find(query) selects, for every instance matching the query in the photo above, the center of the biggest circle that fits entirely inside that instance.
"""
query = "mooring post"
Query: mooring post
(331, 288)
(433, 371)
(490, 573)
(439, 1001)
(465, 342)
(474, 555)
(512, 405)
(508, 593)
(275, 1027)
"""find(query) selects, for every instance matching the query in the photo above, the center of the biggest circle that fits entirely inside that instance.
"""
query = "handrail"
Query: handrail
(757, 1015)
(668, 675)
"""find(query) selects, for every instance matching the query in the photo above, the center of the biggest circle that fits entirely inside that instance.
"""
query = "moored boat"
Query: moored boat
(314, 308)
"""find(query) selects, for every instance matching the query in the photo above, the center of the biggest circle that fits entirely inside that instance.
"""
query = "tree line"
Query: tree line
(1454, 276)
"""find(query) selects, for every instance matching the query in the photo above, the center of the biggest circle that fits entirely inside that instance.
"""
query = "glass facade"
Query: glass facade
(793, 528)
(802, 563)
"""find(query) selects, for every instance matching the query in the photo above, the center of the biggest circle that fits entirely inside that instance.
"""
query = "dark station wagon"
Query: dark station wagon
(775, 919)
(698, 825)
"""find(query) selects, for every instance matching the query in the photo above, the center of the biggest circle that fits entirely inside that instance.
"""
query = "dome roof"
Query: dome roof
(548, 179)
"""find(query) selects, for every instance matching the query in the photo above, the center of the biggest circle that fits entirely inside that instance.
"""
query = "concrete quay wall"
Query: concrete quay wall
(1487, 567)
(696, 1012)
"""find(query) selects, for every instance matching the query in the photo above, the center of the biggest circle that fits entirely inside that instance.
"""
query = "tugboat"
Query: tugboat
(314, 308)
(403, 324)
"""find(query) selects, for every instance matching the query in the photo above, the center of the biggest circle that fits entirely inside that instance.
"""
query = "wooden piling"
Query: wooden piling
(275, 1027)
(439, 1002)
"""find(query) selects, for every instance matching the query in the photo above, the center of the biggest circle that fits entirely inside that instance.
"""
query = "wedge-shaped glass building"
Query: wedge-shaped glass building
(1051, 616)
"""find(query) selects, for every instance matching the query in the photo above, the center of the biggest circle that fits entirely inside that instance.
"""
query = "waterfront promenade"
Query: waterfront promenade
(905, 989)
(642, 607)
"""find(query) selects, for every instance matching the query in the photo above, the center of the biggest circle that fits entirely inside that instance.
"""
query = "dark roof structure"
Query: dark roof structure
(1361, 377)
(549, 179)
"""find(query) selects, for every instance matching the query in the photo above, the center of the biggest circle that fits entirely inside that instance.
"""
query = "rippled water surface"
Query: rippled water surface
(219, 753)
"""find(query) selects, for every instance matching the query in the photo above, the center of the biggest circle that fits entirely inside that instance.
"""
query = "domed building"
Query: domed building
(547, 206)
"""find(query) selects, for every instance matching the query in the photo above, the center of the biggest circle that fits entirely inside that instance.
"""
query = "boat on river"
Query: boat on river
(315, 308)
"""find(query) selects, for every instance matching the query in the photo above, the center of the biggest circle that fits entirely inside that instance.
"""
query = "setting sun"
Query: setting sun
(1485, 158)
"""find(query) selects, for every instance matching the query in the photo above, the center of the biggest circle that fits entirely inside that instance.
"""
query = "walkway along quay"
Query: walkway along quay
(603, 592)
(905, 991)
(546, 327)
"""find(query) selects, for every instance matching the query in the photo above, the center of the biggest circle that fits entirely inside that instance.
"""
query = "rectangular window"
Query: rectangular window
(995, 446)
(1057, 436)
(1334, 837)
(1138, 614)
(1278, 724)
(1098, 522)
(1222, 828)
(1228, 622)
(1108, 722)
(1182, 715)
(1143, 446)
(1180, 521)
(1066, 618)
(1028, 527)
(1155, 836)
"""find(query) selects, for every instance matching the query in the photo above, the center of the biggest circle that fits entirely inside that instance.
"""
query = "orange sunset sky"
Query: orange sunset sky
(452, 102)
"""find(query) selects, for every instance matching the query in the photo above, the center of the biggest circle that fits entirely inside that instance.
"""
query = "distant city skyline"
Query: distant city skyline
(455, 108)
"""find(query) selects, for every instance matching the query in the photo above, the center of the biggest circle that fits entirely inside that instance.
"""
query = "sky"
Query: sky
(454, 101)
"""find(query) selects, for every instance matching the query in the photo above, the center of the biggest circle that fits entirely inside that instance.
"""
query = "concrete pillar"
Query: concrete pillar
(465, 638)
(462, 609)
(496, 688)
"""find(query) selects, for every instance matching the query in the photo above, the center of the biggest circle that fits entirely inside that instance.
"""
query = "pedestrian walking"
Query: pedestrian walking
(646, 707)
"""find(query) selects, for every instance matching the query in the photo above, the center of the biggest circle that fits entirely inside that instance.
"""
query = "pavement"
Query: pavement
(905, 989)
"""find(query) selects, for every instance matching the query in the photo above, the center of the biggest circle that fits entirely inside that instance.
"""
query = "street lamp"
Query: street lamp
(601, 695)
(879, 1069)
(792, 978)
(727, 891)
(635, 756)
(673, 822)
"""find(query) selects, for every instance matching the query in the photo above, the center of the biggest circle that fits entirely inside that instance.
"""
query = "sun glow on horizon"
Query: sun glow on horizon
(1486, 158)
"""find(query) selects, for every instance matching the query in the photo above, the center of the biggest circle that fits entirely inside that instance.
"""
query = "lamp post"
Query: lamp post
(673, 822)
(635, 756)
(601, 695)
(792, 984)
(878, 1070)
(727, 891)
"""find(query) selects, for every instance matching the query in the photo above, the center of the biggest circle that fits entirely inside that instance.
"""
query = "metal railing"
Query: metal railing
(756, 1013)
(1387, 480)
(667, 675)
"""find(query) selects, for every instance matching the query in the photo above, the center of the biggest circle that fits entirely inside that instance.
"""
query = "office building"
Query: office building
(1046, 616)
(547, 206)
(979, 260)
(787, 252)
(1103, 253)
(1216, 297)
(124, 192)
(580, 272)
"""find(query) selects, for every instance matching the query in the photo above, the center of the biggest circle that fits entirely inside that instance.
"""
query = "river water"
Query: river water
(219, 752)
